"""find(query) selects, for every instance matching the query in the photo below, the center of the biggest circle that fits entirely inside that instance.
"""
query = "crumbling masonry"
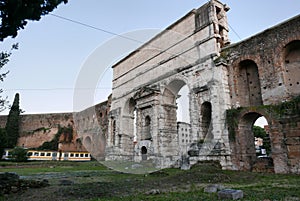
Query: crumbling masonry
(230, 86)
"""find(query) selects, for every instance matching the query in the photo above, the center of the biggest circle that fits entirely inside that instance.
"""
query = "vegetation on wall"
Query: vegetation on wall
(66, 133)
(288, 108)
(223, 57)
(13, 123)
(232, 121)
(43, 129)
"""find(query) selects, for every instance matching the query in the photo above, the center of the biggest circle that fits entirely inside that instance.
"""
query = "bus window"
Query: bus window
(76, 155)
(81, 155)
(54, 154)
(36, 153)
(42, 153)
(86, 155)
(29, 154)
(72, 155)
(48, 154)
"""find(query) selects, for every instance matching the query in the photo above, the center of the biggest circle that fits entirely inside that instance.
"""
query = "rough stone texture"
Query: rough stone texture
(146, 85)
(39, 128)
(11, 183)
(264, 70)
(253, 74)
(90, 129)
(230, 194)
(213, 188)
(139, 120)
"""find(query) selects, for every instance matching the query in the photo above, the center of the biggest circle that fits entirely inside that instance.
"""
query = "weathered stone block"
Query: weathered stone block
(213, 188)
(230, 194)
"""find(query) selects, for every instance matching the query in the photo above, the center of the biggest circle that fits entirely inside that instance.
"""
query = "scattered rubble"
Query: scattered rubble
(11, 183)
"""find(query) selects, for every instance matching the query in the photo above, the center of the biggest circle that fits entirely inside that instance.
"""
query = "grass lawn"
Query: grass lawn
(92, 181)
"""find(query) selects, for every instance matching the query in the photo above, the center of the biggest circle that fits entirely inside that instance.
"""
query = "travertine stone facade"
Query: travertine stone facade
(146, 85)
(249, 79)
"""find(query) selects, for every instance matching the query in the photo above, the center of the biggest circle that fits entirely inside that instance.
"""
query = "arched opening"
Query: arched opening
(182, 102)
(130, 119)
(261, 133)
(177, 112)
(206, 113)
(183, 119)
(262, 141)
(292, 67)
(144, 153)
(249, 90)
(113, 132)
(147, 129)
(249, 157)
(134, 126)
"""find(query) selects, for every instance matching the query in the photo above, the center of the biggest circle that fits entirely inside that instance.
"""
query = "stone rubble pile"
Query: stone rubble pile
(11, 183)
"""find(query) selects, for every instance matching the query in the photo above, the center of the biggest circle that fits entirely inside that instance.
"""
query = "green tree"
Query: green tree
(19, 154)
(15, 14)
(3, 140)
(261, 133)
(4, 59)
(12, 123)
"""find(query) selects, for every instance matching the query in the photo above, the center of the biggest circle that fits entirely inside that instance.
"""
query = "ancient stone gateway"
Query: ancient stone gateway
(229, 87)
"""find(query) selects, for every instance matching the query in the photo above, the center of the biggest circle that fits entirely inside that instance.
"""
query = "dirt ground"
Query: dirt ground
(91, 184)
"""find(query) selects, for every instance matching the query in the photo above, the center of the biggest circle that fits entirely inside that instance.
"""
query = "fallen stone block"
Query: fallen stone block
(213, 188)
(230, 194)
(153, 192)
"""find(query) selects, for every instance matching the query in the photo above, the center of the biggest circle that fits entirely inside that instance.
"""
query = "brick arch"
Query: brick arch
(245, 158)
(247, 87)
(282, 44)
(291, 67)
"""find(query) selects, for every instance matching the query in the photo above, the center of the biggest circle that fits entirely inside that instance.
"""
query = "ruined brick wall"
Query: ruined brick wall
(266, 51)
(264, 77)
(92, 127)
(35, 129)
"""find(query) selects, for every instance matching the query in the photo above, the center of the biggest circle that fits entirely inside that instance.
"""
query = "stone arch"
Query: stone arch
(291, 53)
(147, 129)
(245, 140)
(129, 106)
(144, 153)
(248, 84)
(171, 90)
(245, 152)
(206, 113)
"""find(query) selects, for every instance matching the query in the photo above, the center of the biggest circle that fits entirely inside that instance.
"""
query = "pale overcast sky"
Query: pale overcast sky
(53, 51)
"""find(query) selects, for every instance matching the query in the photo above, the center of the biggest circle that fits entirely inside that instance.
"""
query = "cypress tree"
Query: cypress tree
(12, 123)
(3, 140)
